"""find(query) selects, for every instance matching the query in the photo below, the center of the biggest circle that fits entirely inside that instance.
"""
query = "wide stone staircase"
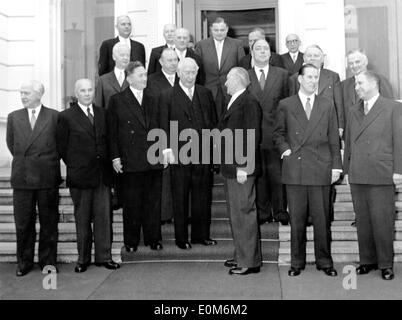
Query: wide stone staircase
(67, 252)
(344, 237)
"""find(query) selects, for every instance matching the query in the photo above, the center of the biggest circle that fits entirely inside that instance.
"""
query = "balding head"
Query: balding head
(293, 43)
(169, 61)
(84, 91)
(32, 93)
(123, 26)
(121, 55)
(236, 80)
(181, 39)
(187, 71)
(314, 55)
(357, 61)
(168, 33)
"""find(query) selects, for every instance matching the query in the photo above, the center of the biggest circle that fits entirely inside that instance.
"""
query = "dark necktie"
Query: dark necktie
(262, 79)
(308, 108)
(90, 116)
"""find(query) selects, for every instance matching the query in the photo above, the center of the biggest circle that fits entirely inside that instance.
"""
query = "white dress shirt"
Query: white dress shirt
(235, 96)
(169, 77)
(219, 50)
(180, 54)
(120, 75)
(37, 110)
(303, 99)
(187, 90)
(372, 101)
(126, 41)
(138, 94)
(85, 109)
(258, 71)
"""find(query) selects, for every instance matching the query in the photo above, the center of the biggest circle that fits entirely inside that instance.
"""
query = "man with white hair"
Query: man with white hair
(137, 49)
(242, 114)
(293, 59)
(82, 144)
(35, 178)
(192, 108)
(169, 34)
(357, 62)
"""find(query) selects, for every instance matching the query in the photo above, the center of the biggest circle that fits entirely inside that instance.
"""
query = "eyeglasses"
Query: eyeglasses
(292, 41)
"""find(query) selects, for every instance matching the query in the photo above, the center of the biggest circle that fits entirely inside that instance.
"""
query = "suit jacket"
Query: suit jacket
(288, 64)
(314, 143)
(83, 147)
(275, 61)
(175, 106)
(244, 114)
(232, 53)
(373, 148)
(106, 87)
(106, 62)
(157, 83)
(154, 65)
(350, 96)
(129, 127)
(329, 87)
(36, 162)
(276, 88)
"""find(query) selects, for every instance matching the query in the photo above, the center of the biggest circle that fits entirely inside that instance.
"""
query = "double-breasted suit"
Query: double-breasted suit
(106, 87)
(83, 148)
(271, 201)
(35, 177)
(373, 153)
(307, 172)
(129, 123)
(215, 74)
(153, 64)
(290, 65)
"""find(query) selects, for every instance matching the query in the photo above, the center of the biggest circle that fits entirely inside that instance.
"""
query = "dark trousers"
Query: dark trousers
(142, 207)
(313, 201)
(243, 222)
(192, 182)
(167, 201)
(374, 206)
(92, 205)
(25, 202)
(271, 198)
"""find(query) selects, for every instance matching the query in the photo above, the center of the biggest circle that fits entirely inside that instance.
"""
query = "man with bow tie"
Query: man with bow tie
(35, 177)
(306, 136)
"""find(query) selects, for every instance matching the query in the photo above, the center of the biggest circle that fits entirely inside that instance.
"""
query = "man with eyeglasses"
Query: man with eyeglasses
(293, 59)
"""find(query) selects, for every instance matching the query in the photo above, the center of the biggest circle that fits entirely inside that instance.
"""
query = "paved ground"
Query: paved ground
(194, 281)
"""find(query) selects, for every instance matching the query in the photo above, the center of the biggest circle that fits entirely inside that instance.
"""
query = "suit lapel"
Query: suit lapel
(315, 117)
(255, 83)
(134, 107)
(98, 120)
(25, 125)
(113, 81)
(82, 120)
(371, 116)
(299, 113)
(323, 82)
(235, 105)
(270, 81)
(212, 50)
(40, 124)
(225, 51)
(182, 99)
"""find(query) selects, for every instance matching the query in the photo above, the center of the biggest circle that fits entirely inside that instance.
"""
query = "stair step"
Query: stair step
(343, 188)
(348, 206)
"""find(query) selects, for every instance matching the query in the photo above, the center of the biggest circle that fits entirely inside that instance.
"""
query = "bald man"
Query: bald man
(35, 177)
(82, 144)
(293, 59)
(168, 34)
(137, 49)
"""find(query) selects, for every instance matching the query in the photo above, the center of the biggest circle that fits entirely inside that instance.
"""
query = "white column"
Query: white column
(316, 22)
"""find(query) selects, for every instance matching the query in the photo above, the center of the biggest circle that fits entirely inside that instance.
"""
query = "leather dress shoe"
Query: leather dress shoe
(331, 272)
(130, 249)
(205, 242)
(387, 274)
(265, 220)
(156, 246)
(81, 267)
(353, 224)
(366, 268)
(168, 221)
(243, 271)
(22, 271)
(231, 263)
(183, 245)
(111, 265)
(293, 271)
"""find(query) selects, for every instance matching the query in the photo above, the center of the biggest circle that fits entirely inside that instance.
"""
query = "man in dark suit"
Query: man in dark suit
(137, 49)
(293, 59)
(168, 34)
(269, 85)
(82, 143)
(35, 177)
(189, 107)
(357, 62)
(306, 135)
(131, 115)
(329, 85)
(114, 81)
(373, 163)
(158, 82)
(247, 61)
(219, 54)
(243, 113)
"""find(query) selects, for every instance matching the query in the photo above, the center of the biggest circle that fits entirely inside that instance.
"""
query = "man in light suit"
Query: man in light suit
(269, 85)
(357, 62)
(293, 59)
(82, 143)
(137, 49)
(247, 61)
(219, 54)
(243, 113)
(114, 81)
(168, 34)
(192, 108)
(306, 135)
(373, 164)
(35, 178)
(131, 115)
(329, 85)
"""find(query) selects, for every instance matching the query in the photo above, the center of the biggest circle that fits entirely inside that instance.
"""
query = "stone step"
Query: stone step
(342, 251)
(348, 207)
(67, 252)
(347, 197)
(220, 229)
(344, 188)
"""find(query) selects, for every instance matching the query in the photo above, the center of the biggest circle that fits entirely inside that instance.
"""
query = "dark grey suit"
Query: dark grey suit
(106, 87)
